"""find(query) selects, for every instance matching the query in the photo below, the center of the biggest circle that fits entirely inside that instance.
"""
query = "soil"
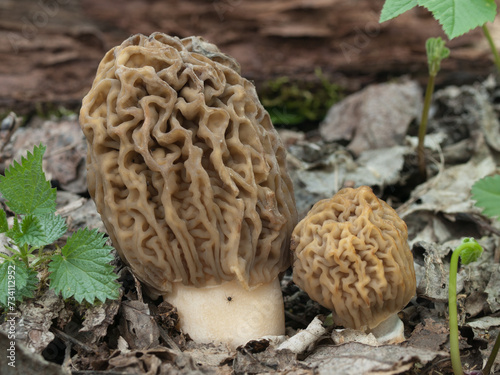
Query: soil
(49, 61)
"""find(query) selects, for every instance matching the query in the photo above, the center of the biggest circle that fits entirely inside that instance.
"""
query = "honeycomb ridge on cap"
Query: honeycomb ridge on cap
(352, 257)
(185, 166)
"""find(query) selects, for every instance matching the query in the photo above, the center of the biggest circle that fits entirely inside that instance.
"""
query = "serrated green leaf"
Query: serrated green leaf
(16, 282)
(25, 187)
(460, 16)
(40, 230)
(82, 270)
(393, 8)
(53, 227)
(15, 232)
(486, 193)
(4, 226)
(31, 232)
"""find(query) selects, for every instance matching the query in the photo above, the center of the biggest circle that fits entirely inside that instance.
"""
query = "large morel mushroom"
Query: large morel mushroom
(189, 177)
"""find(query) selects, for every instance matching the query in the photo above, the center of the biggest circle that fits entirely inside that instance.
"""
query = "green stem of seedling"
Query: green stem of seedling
(423, 125)
(452, 312)
(469, 251)
(491, 358)
(493, 48)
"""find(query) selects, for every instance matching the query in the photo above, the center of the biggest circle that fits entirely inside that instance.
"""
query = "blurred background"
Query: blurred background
(295, 51)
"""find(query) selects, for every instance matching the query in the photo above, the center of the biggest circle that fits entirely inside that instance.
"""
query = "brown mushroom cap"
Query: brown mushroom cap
(352, 256)
(185, 167)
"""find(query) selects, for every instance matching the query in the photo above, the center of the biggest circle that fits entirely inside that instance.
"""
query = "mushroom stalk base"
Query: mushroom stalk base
(389, 331)
(228, 313)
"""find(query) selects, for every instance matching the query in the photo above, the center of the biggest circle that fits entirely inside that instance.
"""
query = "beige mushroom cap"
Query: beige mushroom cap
(352, 256)
(189, 177)
(185, 167)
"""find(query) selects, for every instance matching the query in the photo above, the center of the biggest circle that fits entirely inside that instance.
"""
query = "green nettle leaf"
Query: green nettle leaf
(16, 281)
(53, 227)
(4, 226)
(83, 270)
(41, 230)
(486, 193)
(31, 231)
(25, 187)
(460, 16)
(15, 232)
(393, 8)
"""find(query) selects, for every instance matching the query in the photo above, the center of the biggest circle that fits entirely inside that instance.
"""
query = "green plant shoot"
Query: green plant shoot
(436, 52)
(80, 269)
(469, 251)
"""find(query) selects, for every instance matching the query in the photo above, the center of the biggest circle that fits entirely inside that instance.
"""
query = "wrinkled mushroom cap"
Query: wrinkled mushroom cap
(185, 167)
(352, 256)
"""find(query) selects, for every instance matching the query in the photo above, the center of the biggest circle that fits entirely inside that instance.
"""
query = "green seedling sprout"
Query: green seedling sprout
(436, 52)
(469, 251)
(80, 269)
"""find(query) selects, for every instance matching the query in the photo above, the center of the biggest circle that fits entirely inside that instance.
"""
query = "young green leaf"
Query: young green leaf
(471, 251)
(31, 231)
(486, 193)
(4, 226)
(16, 281)
(458, 16)
(25, 187)
(393, 8)
(436, 52)
(53, 227)
(83, 270)
(40, 230)
(15, 232)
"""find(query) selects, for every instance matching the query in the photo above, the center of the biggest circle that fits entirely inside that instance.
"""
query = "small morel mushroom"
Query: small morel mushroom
(352, 257)
(189, 177)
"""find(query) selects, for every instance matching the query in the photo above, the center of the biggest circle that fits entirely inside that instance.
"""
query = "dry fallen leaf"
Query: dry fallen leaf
(354, 359)
(137, 326)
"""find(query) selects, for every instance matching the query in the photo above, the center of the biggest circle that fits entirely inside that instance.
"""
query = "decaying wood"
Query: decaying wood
(50, 48)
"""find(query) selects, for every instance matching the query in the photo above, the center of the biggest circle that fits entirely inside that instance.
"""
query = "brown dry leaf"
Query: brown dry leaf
(269, 361)
(376, 117)
(141, 361)
(429, 334)
(354, 359)
(36, 317)
(137, 326)
(210, 355)
(98, 318)
(159, 361)
(26, 362)
(433, 284)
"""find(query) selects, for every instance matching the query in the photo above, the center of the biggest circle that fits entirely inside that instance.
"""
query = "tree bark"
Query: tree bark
(50, 49)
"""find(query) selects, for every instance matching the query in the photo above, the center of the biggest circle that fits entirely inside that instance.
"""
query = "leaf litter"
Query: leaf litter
(137, 335)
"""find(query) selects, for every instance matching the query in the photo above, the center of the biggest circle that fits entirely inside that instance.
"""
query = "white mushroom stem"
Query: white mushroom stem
(306, 338)
(390, 331)
(229, 313)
